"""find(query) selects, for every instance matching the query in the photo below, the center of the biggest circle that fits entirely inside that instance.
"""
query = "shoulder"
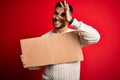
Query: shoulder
(51, 33)
(47, 34)
(70, 30)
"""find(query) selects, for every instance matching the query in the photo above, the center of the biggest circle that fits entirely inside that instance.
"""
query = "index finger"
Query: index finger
(61, 4)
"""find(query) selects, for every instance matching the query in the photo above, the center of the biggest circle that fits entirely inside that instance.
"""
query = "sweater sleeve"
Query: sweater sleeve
(88, 35)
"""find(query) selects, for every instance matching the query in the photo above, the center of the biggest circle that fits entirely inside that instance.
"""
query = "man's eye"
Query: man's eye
(63, 14)
(55, 13)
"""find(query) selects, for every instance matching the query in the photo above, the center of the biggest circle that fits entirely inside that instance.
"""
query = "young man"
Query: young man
(61, 19)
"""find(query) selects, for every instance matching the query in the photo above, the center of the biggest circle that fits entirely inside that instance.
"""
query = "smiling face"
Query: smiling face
(59, 20)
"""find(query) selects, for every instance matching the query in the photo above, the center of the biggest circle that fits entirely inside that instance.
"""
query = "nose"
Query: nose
(58, 16)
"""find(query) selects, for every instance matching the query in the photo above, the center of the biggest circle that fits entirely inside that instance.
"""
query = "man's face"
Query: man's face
(59, 18)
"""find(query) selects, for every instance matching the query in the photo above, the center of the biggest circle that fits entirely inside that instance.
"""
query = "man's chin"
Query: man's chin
(59, 27)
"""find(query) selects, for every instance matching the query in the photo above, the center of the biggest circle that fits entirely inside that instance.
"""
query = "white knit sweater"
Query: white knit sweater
(71, 71)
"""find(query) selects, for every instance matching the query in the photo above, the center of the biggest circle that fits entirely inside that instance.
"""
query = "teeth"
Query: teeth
(57, 21)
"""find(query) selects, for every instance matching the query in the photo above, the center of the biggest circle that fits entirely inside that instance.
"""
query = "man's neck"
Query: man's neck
(60, 30)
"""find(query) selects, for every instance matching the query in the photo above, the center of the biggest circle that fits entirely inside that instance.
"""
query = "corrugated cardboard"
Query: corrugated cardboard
(53, 49)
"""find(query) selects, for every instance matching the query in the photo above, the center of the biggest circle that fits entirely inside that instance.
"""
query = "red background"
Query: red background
(31, 18)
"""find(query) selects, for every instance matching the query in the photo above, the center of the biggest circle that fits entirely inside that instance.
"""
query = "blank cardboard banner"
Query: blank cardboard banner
(52, 49)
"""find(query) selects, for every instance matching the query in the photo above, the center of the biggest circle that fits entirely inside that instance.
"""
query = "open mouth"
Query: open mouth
(56, 21)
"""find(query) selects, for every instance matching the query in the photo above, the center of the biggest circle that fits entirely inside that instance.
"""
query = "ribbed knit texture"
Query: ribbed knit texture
(68, 71)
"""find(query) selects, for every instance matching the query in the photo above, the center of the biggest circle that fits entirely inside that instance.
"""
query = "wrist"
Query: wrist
(70, 22)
